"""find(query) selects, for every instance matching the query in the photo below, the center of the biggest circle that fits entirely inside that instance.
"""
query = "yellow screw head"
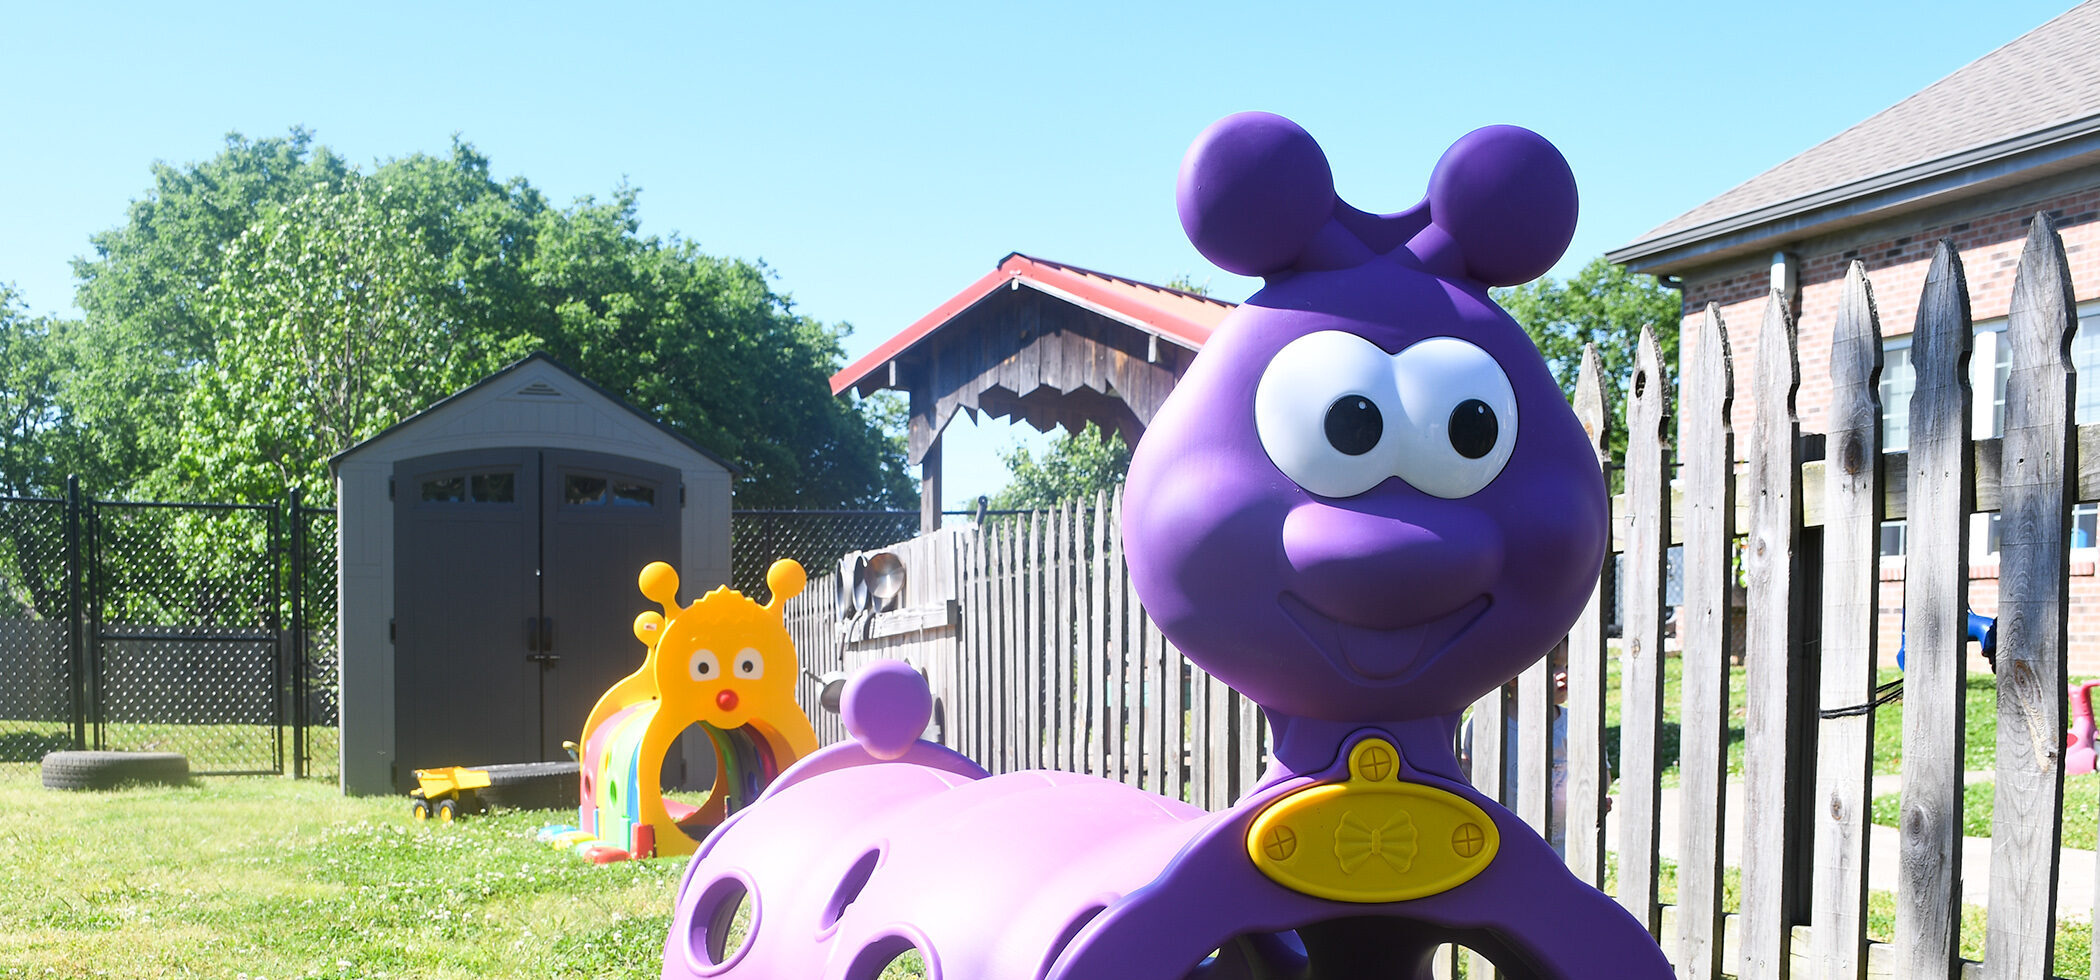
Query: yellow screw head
(1280, 843)
(1376, 762)
(1468, 839)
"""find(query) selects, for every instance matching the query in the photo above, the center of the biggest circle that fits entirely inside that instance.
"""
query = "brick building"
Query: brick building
(1970, 159)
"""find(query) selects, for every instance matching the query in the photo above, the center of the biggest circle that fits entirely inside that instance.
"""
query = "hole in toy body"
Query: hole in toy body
(725, 920)
(850, 888)
(891, 957)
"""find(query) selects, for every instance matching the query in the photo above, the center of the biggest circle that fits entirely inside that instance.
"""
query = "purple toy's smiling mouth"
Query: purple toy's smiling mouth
(1382, 654)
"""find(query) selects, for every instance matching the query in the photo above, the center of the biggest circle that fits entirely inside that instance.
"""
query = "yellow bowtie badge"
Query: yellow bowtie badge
(1372, 838)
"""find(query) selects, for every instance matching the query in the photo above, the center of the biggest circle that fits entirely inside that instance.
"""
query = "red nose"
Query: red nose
(726, 700)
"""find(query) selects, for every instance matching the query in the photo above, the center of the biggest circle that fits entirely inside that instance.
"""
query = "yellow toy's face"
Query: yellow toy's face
(726, 660)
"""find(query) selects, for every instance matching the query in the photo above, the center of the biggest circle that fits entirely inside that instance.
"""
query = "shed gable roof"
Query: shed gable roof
(515, 381)
(2031, 103)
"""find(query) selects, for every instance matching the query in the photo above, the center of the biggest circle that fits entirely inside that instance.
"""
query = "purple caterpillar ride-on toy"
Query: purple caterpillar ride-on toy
(1366, 505)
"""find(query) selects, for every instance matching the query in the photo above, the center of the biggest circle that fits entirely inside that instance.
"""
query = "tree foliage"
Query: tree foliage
(1074, 466)
(1603, 305)
(263, 310)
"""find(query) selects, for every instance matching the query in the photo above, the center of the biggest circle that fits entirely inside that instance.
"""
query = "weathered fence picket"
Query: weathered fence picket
(1640, 671)
(1935, 593)
(2027, 819)
(1053, 661)
(1706, 447)
(1851, 589)
(1589, 779)
(1771, 763)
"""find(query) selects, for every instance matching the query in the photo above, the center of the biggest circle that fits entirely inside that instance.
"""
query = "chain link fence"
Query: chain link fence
(316, 726)
(37, 708)
(816, 538)
(204, 629)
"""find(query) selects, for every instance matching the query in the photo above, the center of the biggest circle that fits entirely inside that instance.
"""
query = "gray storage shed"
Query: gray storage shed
(489, 547)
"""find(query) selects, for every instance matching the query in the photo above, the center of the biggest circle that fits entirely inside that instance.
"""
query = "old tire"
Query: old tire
(532, 786)
(106, 770)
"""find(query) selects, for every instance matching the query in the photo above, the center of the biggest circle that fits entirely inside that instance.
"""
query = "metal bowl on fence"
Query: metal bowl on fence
(884, 576)
(851, 595)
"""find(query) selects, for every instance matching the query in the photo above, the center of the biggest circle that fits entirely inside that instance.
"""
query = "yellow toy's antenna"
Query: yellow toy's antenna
(659, 583)
(786, 580)
(648, 628)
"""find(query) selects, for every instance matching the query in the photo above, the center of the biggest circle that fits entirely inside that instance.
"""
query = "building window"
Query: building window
(1990, 372)
(1898, 380)
(595, 490)
(475, 488)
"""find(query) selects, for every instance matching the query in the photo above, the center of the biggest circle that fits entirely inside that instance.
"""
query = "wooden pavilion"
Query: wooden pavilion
(1040, 342)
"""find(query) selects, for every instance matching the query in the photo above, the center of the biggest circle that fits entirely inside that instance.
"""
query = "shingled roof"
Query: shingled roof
(2028, 108)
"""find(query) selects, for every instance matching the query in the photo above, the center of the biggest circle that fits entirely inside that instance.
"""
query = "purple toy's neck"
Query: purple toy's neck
(1309, 746)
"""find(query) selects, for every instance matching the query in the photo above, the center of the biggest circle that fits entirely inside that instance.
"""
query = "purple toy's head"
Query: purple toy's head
(1367, 500)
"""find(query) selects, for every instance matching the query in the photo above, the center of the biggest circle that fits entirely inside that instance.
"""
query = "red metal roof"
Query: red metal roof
(1184, 318)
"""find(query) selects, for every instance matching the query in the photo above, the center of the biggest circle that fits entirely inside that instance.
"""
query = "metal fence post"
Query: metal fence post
(298, 634)
(76, 654)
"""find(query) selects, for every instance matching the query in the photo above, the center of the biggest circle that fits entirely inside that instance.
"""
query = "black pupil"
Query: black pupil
(1354, 425)
(1473, 428)
(703, 667)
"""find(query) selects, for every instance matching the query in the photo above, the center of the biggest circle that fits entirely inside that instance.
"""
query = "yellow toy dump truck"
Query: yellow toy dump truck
(446, 793)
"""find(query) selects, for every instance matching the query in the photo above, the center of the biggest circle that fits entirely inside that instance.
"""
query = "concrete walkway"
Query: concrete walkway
(2075, 879)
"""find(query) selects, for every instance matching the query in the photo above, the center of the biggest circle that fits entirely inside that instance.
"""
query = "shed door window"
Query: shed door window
(497, 487)
(602, 490)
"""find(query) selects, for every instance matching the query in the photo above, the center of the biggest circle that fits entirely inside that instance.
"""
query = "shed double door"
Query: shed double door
(515, 596)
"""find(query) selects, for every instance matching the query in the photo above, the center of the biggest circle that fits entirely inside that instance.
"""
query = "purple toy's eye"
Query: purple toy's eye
(1326, 409)
(1338, 415)
(1462, 417)
(1354, 425)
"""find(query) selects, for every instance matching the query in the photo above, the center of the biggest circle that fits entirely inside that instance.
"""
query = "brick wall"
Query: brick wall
(1988, 233)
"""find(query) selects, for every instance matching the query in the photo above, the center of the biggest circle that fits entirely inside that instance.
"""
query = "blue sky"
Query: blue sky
(881, 157)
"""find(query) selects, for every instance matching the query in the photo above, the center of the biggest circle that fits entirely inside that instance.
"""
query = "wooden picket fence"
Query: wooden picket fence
(1040, 654)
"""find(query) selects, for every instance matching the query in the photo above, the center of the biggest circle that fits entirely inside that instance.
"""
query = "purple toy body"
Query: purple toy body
(1366, 505)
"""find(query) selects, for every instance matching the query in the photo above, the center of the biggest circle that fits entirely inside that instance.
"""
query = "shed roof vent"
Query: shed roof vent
(540, 389)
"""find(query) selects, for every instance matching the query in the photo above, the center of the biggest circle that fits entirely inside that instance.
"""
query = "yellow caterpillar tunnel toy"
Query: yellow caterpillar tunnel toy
(724, 664)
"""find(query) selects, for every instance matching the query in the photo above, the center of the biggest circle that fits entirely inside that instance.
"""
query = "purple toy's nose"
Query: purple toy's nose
(1367, 569)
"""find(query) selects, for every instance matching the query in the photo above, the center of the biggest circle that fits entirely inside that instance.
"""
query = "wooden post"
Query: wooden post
(1772, 541)
(1057, 647)
(929, 480)
(2038, 485)
(1640, 674)
(1935, 592)
(1533, 747)
(1010, 719)
(1119, 643)
(1706, 446)
(1852, 515)
(1033, 660)
(1587, 775)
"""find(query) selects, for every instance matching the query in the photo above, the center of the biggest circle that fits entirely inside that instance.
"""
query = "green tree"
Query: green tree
(272, 306)
(28, 397)
(1603, 305)
(142, 291)
(1074, 466)
(335, 319)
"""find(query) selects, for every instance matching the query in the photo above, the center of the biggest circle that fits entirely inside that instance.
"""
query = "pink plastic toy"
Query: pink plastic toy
(2079, 752)
(1366, 505)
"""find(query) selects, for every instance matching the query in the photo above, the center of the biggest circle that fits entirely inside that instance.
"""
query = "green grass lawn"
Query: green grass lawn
(268, 878)
(265, 877)
(2074, 940)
